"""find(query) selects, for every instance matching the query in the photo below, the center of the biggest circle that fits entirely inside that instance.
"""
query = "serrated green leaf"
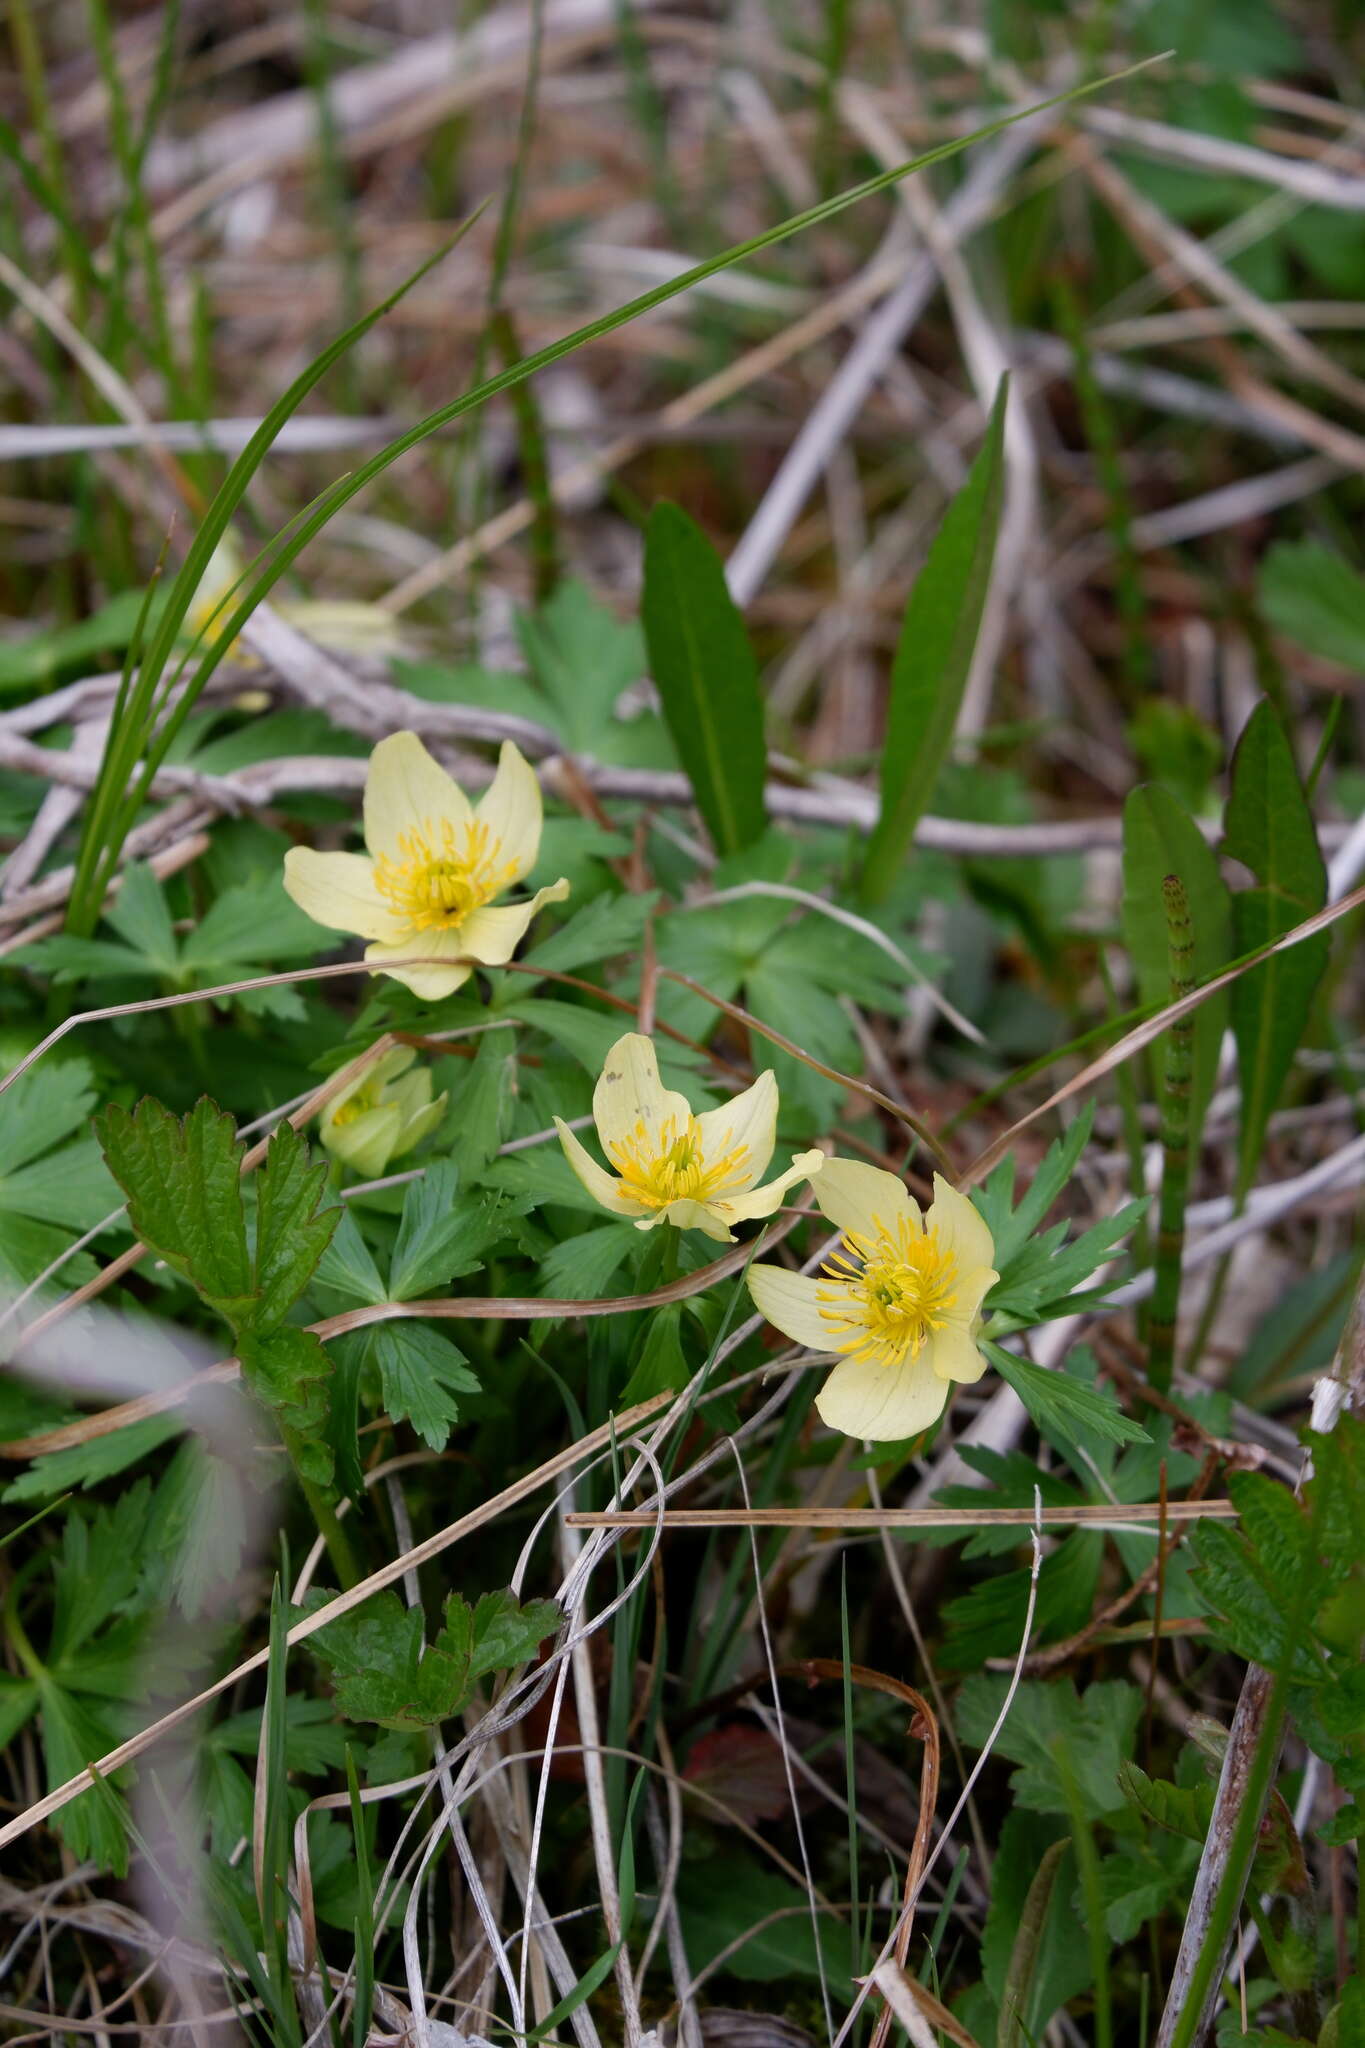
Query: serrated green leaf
(45, 1104)
(381, 1673)
(346, 1273)
(606, 926)
(76, 1734)
(86, 1465)
(1049, 1720)
(1059, 1403)
(141, 916)
(254, 923)
(291, 1232)
(1161, 839)
(934, 656)
(1011, 1227)
(443, 1234)
(182, 1183)
(704, 670)
(420, 1372)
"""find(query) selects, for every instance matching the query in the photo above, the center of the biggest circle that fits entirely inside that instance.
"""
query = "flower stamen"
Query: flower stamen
(443, 873)
(670, 1165)
(896, 1286)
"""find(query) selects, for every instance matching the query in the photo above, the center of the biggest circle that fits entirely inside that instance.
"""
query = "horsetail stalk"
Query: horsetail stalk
(1175, 1141)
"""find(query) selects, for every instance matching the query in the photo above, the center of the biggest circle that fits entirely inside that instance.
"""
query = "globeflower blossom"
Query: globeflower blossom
(381, 1114)
(424, 891)
(696, 1172)
(900, 1300)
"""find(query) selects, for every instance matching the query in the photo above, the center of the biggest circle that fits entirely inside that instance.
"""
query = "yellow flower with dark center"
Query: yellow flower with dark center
(697, 1172)
(436, 862)
(899, 1302)
(382, 1114)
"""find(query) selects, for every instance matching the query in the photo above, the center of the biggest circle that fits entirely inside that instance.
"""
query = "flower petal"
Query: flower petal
(630, 1101)
(691, 1215)
(746, 1125)
(511, 809)
(337, 889)
(416, 1128)
(961, 1230)
(954, 1354)
(862, 1198)
(601, 1185)
(492, 936)
(406, 791)
(792, 1304)
(431, 980)
(762, 1201)
(366, 1143)
(882, 1402)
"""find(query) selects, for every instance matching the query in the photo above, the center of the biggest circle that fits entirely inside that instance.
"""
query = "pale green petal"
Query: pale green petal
(511, 809)
(601, 1185)
(412, 1092)
(707, 1216)
(421, 1126)
(882, 1403)
(337, 889)
(954, 1354)
(406, 791)
(862, 1198)
(432, 980)
(746, 1125)
(366, 1143)
(795, 1303)
(492, 936)
(960, 1228)
(762, 1201)
(630, 1103)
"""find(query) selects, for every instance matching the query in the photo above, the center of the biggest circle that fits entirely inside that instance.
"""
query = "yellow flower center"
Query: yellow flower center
(443, 873)
(902, 1284)
(367, 1096)
(669, 1165)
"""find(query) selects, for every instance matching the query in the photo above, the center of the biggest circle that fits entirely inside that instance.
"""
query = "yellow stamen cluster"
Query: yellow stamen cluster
(904, 1286)
(366, 1096)
(670, 1165)
(442, 876)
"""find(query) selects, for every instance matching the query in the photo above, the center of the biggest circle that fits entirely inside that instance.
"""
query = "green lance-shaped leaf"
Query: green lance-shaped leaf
(1269, 828)
(706, 676)
(1176, 1082)
(1160, 839)
(934, 655)
(1012, 2030)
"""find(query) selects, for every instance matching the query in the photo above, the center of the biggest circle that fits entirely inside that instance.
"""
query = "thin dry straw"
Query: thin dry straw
(1090, 1515)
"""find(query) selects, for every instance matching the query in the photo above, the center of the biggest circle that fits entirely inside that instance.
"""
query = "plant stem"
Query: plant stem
(1175, 1142)
(332, 1534)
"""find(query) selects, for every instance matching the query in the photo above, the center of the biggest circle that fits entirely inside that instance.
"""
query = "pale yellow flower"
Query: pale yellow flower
(381, 1114)
(435, 864)
(901, 1299)
(698, 1172)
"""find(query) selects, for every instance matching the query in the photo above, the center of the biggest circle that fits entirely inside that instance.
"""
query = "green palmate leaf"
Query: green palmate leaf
(381, 1672)
(443, 1234)
(934, 656)
(706, 676)
(182, 1181)
(724, 1897)
(420, 1371)
(1061, 1404)
(1161, 839)
(601, 929)
(1053, 1731)
(1313, 596)
(1010, 1227)
(347, 1272)
(985, 1622)
(1269, 828)
(291, 1233)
